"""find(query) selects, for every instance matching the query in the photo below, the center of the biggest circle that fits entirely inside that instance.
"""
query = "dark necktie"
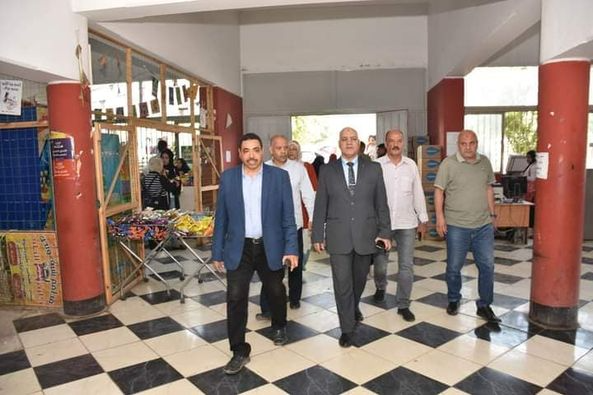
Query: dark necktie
(351, 180)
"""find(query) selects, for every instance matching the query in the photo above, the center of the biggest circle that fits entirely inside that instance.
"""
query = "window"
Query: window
(318, 134)
(488, 127)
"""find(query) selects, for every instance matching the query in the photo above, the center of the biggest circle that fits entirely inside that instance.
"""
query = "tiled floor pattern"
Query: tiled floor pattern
(151, 343)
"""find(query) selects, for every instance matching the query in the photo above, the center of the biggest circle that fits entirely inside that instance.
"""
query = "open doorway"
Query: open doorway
(318, 134)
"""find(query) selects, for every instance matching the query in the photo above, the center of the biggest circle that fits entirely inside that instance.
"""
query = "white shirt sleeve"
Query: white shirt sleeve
(419, 198)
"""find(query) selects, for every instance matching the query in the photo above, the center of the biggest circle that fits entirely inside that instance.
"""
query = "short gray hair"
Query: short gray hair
(155, 164)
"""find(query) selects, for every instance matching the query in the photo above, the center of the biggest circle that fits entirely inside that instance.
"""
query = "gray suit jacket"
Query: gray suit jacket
(346, 222)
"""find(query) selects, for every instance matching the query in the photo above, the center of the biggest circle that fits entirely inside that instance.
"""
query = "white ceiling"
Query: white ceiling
(181, 10)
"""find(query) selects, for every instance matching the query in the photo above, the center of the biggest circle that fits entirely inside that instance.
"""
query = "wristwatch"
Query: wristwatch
(493, 215)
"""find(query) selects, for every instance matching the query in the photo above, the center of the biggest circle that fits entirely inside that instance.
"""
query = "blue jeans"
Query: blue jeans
(480, 241)
(405, 240)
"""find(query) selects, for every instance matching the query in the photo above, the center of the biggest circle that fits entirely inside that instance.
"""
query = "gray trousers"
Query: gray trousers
(405, 239)
(349, 273)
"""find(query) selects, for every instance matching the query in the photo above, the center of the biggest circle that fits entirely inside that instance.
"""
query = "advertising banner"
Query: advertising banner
(34, 268)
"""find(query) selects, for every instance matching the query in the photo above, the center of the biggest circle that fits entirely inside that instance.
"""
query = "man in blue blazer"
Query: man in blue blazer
(254, 230)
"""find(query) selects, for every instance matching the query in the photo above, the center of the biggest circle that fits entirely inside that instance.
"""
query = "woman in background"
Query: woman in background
(155, 186)
(170, 171)
(529, 172)
(182, 166)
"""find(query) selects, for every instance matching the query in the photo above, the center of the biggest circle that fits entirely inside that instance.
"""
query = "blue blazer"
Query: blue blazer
(278, 224)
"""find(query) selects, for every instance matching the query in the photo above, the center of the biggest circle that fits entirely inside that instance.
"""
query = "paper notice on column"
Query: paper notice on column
(541, 159)
(227, 156)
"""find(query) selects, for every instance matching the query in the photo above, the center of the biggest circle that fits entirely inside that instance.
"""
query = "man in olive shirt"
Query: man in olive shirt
(466, 216)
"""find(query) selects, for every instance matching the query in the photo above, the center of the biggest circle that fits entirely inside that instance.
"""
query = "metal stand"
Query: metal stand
(144, 263)
(202, 264)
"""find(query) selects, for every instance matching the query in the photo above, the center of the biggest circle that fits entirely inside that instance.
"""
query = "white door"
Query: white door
(388, 120)
(266, 127)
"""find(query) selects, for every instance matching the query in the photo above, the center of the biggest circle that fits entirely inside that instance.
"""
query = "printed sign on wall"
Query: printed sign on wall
(11, 93)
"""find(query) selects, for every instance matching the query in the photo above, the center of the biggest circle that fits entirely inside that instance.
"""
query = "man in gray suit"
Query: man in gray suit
(351, 217)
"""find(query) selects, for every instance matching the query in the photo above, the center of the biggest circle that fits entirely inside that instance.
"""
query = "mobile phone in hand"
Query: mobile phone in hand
(380, 244)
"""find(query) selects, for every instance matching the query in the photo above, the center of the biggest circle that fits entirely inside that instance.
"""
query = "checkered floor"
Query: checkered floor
(151, 343)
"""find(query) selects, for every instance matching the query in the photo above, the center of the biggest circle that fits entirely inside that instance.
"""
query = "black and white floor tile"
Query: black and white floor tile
(151, 343)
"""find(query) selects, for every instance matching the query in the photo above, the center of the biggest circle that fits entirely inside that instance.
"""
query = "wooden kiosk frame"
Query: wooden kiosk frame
(206, 150)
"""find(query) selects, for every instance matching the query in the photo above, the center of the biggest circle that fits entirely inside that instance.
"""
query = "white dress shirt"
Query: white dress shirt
(405, 196)
(301, 188)
(354, 167)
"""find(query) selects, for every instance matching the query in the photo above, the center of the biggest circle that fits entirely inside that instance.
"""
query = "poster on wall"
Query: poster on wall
(11, 93)
(62, 156)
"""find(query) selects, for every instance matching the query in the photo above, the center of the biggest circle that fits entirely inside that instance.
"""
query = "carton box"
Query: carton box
(431, 234)
(429, 200)
(420, 140)
(428, 164)
(432, 218)
(428, 177)
(34, 268)
(429, 152)
(414, 142)
(428, 187)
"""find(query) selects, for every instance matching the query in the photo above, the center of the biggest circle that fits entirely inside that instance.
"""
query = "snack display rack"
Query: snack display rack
(162, 227)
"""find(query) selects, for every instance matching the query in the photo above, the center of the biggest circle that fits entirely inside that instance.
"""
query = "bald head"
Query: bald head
(392, 132)
(349, 143)
(279, 149)
(466, 133)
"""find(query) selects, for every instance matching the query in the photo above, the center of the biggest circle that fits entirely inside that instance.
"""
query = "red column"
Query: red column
(228, 104)
(559, 209)
(445, 110)
(75, 197)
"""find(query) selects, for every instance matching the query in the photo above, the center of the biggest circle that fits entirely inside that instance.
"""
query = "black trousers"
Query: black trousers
(349, 274)
(295, 280)
(238, 280)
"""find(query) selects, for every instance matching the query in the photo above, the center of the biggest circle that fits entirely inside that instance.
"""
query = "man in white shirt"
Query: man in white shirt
(301, 188)
(407, 209)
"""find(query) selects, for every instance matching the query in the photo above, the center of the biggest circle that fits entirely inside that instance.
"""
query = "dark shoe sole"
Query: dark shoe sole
(495, 320)
(453, 311)
(407, 318)
(345, 343)
(235, 371)
(379, 298)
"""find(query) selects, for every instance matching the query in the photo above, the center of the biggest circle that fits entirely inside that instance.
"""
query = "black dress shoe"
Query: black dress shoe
(263, 316)
(379, 295)
(453, 308)
(358, 316)
(280, 337)
(345, 340)
(406, 314)
(236, 364)
(487, 314)
(295, 305)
